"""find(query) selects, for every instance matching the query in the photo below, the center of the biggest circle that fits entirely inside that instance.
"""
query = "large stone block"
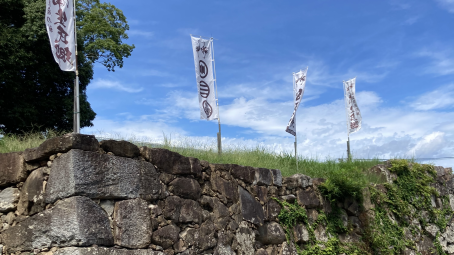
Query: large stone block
(61, 144)
(277, 177)
(104, 251)
(132, 224)
(244, 173)
(263, 176)
(166, 236)
(182, 210)
(101, 176)
(32, 194)
(185, 188)
(202, 238)
(12, 168)
(8, 199)
(120, 148)
(251, 209)
(308, 198)
(271, 233)
(76, 221)
(298, 181)
(171, 162)
(226, 188)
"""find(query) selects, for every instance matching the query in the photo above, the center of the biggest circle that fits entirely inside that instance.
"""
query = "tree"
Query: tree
(34, 93)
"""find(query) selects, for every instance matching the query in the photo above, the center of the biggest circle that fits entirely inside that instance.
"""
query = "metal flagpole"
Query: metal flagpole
(294, 120)
(76, 82)
(348, 130)
(217, 99)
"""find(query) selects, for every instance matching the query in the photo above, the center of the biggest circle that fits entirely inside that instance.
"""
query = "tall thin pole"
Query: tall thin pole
(296, 154)
(348, 149)
(76, 82)
(217, 99)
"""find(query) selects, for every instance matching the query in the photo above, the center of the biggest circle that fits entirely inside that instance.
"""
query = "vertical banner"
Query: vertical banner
(60, 28)
(353, 114)
(204, 76)
(299, 83)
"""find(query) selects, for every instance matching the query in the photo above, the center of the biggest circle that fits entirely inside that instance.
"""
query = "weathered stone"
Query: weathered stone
(132, 223)
(12, 168)
(62, 144)
(261, 252)
(244, 173)
(298, 181)
(289, 198)
(185, 188)
(8, 199)
(277, 177)
(351, 206)
(201, 238)
(101, 176)
(272, 210)
(383, 173)
(251, 210)
(245, 239)
(224, 250)
(432, 229)
(120, 148)
(226, 188)
(288, 249)
(104, 251)
(221, 215)
(171, 162)
(262, 193)
(190, 212)
(271, 233)
(165, 236)
(301, 234)
(76, 221)
(172, 208)
(425, 245)
(263, 176)
(349, 237)
(32, 194)
(308, 198)
(320, 233)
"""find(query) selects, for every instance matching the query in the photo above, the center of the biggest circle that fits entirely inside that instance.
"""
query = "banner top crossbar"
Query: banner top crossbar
(203, 37)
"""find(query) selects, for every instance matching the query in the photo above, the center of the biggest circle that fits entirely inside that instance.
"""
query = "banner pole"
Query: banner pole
(348, 149)
(217, 100)
(296, 154)
(76, 81)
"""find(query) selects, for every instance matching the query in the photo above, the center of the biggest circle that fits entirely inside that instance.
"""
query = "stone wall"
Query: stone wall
(73, 195)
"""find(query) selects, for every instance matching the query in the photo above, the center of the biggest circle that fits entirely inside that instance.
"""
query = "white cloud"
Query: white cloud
(101, 83)
(446, 4)
(442, 61)
(436, 99)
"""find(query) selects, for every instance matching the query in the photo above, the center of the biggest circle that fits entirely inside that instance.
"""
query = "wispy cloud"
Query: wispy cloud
(440, 98)
(446, 4)
(101, 83)
(143, 33)
(442, 61)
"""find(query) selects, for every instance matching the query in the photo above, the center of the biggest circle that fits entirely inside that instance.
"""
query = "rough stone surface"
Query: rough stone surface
(104, 251)
(298, 181)
(12, 168)
(244, 173)
(32, 194)
(8, 199)
(383, 172)
(224, 250)
(171, 162)
(251, 209)
(224, 187)
(271, 233)
(101, 176)
(182, 210)
(301, 234)
(120, 148)
(61, 144)
(263, 176)
(108, 206)
(245, 238)
(201, 238)
(272, 210)
(288, 249)
(132, 224)
(277, 177)
(165, 236)
(185, 188)
(308, 198)
(64, 225)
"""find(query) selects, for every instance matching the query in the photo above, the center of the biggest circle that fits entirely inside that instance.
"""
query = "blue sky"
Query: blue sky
(400, 51)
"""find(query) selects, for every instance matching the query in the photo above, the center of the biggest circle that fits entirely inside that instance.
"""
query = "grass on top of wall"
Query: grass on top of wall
(256, 157)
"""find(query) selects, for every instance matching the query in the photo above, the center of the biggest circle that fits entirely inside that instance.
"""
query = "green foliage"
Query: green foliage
(408, 198)
(35, 93)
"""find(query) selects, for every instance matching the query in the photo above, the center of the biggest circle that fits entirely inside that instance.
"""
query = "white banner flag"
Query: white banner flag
(60, 28)
(353, 114)
(299, 83)
(204, 76)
